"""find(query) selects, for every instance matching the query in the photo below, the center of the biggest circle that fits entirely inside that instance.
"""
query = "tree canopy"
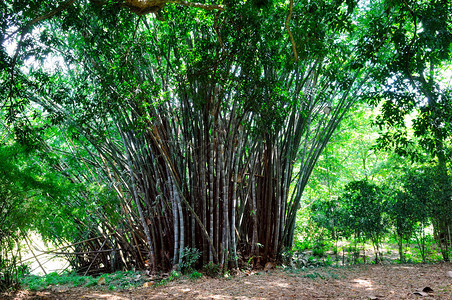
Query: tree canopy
(179, 125)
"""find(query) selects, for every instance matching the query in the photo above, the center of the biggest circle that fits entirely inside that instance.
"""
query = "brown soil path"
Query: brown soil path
(358, 282)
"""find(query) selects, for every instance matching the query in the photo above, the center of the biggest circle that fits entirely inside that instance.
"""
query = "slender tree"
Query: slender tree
(411, 80)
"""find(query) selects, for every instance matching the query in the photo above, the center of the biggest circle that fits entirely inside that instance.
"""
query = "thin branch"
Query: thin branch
(292, 41)
(82, 252)
(97, 254)
(217, 30)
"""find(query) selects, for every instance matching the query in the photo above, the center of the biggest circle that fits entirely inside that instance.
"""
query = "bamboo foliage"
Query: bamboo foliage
(199, 135)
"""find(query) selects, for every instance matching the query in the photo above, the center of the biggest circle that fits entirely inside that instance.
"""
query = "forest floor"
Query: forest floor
(354, 282)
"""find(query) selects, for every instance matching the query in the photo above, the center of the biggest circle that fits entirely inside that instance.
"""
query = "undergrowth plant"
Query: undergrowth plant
(189, 258)
(211, 269)
(173, 276)
(195, 275)
(119, 280)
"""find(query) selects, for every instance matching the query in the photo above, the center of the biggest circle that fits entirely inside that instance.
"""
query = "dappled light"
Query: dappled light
(363, 283)
(360, 282)
(219, 149)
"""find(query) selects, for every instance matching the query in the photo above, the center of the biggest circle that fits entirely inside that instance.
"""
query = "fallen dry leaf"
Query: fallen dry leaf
(269, 266)
(101, 281)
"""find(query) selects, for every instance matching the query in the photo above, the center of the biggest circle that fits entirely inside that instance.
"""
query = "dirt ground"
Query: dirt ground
(357, 282)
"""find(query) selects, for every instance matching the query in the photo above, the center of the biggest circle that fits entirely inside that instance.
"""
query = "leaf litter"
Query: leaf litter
(430, 281)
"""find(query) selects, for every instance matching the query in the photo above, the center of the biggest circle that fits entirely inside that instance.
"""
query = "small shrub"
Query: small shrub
(301, 246)
(161, 282)
(195, 275)
(173, 276)
(10, 275)
(189, 258)
(23, 270)
(287, 257)
(328, 261)
(336, 250)
(211, 269)
(318, 250)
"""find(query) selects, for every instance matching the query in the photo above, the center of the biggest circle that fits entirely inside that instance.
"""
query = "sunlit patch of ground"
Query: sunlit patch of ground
(363, 283)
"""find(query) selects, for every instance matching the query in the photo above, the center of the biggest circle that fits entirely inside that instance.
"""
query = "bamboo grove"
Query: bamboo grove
(201, 130)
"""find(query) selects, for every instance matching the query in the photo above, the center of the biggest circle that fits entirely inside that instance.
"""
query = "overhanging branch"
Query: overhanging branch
(143, 7)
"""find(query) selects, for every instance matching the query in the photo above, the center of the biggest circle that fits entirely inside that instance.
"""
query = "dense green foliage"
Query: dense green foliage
(406, 200)
(155, 135)
(23, 189)
(409, 46)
